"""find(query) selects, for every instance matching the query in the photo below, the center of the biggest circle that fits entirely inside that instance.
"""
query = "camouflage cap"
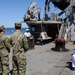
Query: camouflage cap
(1, 27)
(18, 24)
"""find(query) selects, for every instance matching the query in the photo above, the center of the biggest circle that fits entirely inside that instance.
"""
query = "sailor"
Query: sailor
(19, 45)
(27, 33)
(4, 52)
(29, 38)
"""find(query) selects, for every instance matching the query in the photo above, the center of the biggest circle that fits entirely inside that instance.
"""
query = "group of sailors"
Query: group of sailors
(19, 44)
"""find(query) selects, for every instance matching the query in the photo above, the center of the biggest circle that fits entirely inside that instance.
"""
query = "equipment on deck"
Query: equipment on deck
(31, 12)
(68, 22)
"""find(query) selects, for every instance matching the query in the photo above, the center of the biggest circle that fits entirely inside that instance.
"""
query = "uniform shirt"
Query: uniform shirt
(4, 45)
(18, 42)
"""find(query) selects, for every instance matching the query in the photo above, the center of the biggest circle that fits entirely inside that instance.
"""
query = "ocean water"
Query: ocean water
(9, 31)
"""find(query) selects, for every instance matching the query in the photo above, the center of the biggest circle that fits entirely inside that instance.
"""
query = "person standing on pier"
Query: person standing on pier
(19, 45)
(4, 52)
(29, 38)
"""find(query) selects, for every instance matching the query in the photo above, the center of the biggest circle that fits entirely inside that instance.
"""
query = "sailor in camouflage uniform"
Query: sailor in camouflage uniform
(19, 45)
(4, 52)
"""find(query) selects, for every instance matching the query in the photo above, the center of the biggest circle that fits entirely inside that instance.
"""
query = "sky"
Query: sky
(12, 11)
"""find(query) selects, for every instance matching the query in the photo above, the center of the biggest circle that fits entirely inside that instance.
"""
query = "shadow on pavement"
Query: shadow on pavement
(69, 65)
(44, 42)
(59, 49)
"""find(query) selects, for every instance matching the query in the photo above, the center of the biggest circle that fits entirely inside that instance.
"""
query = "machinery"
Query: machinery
(66, 6)
(61, 4)
(31, 12)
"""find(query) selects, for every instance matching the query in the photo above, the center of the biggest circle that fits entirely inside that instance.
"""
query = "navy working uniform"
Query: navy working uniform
(19, 45)
(4, 52)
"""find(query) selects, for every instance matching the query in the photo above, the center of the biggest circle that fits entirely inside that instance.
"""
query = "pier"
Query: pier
(45, 60)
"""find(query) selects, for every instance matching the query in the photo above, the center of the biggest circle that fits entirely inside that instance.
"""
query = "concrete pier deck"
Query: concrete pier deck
(44, 60)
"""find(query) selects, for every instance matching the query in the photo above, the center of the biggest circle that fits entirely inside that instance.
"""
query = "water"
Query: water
(9, 31)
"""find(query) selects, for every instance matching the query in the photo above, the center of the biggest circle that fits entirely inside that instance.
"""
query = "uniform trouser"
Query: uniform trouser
(30, 43)
(5, 65)
(28, 38)
(19, 66)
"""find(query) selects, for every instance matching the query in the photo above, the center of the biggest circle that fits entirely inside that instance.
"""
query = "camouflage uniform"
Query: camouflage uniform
(19, 45)
(4, 53)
